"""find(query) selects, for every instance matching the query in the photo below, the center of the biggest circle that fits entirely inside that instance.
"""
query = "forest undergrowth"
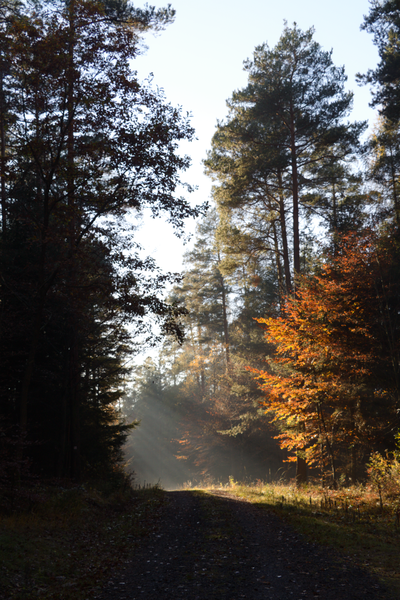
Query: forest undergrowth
(64, 542)
(360, 522)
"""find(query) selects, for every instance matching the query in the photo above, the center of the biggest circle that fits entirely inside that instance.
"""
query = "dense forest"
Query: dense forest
(279, 345)
(290, 364)
(84, 148)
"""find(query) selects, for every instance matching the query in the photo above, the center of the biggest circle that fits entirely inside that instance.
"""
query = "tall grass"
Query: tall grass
(360, 522)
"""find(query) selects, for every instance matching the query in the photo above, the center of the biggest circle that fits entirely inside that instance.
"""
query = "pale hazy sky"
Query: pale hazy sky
(198, 61)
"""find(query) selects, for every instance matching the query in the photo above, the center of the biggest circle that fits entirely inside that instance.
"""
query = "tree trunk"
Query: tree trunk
(353, 473)
(301, 471)
(301, 467)
(282, 219)
(334, 219)
(281, 283)
(225, 319)
(295, 193)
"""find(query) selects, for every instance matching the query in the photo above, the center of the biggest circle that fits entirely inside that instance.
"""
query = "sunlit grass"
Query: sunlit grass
(350, 520)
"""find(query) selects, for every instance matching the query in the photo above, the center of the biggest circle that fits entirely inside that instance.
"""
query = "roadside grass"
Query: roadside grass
(67, 542)
(350, 520)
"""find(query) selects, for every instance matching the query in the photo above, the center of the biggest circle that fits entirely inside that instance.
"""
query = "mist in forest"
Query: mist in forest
(172, 448)
(151, 447)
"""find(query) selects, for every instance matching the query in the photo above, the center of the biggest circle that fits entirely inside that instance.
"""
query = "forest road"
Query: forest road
(221, 548)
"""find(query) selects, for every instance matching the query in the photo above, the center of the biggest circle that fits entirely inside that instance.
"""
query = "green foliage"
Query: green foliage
(285, 164)
(383, 21)
(281, 150)
(384, 472)
(384, 169)
(84, 144)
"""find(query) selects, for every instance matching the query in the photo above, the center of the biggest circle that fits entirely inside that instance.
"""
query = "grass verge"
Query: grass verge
(71, 540)
(349, 520)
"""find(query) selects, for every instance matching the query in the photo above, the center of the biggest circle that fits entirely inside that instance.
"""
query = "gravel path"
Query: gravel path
(218, 547)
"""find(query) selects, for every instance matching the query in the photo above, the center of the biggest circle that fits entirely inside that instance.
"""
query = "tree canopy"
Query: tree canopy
(305, 244)
(85, 144)
(383, 21)
(281, 339)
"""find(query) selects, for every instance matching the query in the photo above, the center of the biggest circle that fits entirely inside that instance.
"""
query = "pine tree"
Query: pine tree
(384, 169)
(383, 21)
(281, 131)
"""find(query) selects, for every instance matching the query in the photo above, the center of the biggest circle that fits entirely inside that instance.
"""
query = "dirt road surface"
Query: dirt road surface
(205, 547)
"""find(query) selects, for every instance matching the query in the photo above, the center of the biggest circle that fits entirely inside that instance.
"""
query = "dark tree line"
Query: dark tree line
(84, 146)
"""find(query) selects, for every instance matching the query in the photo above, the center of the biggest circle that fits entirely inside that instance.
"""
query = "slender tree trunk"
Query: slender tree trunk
(323, 477)
(328, 445)
(295, 193)
(301, 466)
(225, 318)
(282, 219)
(281, 282)
(353, 464)
(334, 219)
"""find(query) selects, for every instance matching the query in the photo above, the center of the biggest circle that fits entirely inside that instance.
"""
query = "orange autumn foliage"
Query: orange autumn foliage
(323, 386)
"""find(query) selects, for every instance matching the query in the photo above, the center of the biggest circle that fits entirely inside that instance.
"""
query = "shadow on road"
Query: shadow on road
(209, 547)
